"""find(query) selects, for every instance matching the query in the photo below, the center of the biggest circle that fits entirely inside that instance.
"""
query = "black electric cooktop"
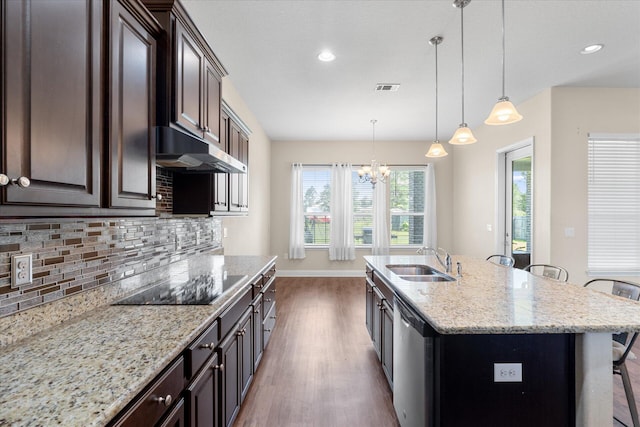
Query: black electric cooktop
(199, 290)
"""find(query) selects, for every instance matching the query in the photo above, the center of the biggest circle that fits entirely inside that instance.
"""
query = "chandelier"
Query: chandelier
(374, 172)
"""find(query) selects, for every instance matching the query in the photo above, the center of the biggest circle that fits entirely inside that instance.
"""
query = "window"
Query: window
(406, 203)
(614, 205)
(406, 193)
(316, 189)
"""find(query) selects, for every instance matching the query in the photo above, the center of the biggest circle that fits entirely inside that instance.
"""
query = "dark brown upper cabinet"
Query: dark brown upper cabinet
(78, 99)
(51, 104)
(189, 89)
(239, 183)
(132, 86)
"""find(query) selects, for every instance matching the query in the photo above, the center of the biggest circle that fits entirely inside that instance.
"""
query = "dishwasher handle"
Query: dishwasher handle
(410, 317)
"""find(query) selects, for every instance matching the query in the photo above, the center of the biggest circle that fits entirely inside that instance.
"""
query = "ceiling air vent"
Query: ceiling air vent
(387, 87)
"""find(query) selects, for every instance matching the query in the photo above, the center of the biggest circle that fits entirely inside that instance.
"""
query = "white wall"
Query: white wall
(576, 112)
(249, 235)
(559, 120)
(318, 152)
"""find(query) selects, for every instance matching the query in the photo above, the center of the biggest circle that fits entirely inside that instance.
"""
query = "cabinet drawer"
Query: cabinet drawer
(269, 276)
(149, 408)
(386, 291)
(231, 315)
(201, 349)
(268, 325)
(256, 286)
(269, 298)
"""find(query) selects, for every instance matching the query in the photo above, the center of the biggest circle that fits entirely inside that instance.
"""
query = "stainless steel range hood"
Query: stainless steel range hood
(179, 151)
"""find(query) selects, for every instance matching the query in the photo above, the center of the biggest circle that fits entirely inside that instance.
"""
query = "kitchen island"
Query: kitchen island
(86, 370)
(493, 304)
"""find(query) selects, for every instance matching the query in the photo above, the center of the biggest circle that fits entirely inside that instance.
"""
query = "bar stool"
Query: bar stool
(505, 260)
(547, 270)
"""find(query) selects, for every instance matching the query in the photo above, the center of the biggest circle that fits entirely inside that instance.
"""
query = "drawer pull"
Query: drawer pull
(210, 346)
(166, 401)
(219, 367)
(267, 330)
(258, 286)
(241, 332)
(273, 317)
(256, 311)
(273, 290)
(267, 300)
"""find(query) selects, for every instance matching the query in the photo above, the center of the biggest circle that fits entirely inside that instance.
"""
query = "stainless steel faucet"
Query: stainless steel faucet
(446, 263)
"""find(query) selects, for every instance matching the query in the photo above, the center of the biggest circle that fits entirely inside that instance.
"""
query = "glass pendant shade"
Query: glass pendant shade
(436, 150)
(463, 136)
(503, 113)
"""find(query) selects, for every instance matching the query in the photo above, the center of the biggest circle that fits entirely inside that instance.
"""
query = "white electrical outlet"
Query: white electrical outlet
(507, 372)
(21, 273)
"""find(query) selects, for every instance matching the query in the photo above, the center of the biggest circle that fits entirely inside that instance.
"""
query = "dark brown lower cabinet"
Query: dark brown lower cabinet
(258, 345)
(238, 362)
(176, 417)
(203, 395)
(379, 321)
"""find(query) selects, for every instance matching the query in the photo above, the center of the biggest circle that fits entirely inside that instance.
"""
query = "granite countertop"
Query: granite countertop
(493, 299)
(83, 372)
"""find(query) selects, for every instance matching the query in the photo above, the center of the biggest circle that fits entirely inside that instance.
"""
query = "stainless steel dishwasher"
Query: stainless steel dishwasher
(413, 367)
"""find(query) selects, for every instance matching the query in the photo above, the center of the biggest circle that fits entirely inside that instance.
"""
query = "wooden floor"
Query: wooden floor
(320, 368)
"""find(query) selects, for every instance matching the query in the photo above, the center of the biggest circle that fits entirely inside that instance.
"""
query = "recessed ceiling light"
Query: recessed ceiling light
(593, 48)
(326, 56)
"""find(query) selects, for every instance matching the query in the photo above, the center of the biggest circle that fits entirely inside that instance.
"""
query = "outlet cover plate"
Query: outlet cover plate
(507, 372)
(21, 270)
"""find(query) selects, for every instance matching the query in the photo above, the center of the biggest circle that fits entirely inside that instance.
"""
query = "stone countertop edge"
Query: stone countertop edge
(85, 371)
(494, 299)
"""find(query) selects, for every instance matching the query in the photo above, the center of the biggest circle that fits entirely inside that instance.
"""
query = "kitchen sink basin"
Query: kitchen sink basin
(412, 270)
(419, 273)
(429, 278)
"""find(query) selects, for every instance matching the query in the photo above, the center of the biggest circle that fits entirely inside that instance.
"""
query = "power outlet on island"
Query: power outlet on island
(507, 372)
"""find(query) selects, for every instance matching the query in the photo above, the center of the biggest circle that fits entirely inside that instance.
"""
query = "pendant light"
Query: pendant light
(376, 172)
(463, 134)
(436, 149)
(503, 112)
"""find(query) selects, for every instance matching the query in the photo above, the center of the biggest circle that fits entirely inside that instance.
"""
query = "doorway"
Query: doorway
(515, 229)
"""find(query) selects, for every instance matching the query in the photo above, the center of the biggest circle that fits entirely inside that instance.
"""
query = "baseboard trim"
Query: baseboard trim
(320, 273)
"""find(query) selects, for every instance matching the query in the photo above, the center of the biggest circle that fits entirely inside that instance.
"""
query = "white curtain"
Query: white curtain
(296, 216)
(341, 243)
(430, 237)
(380, 238)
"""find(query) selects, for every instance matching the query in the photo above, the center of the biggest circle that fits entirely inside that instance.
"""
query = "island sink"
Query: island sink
(419, 273)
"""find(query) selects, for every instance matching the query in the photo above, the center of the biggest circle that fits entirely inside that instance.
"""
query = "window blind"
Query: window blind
(613, 205)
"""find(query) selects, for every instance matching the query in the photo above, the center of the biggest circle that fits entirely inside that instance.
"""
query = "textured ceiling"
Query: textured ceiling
(269, 48)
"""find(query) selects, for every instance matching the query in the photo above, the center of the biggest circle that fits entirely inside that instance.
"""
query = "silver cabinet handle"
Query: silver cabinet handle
(166, 401)
(267, 330)
(158, 197)
(267, 300)
(210, 346)
(219, 367)
(22, 182)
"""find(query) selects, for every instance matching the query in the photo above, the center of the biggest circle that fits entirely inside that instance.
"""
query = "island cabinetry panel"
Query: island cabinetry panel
(379, 320)
(132, 177)
(52, 70)
(464, 369)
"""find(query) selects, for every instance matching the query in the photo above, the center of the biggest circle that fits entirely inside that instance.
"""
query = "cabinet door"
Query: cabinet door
(203, 395)
(386, 332)
(221, 192)
(244, 178)
(369, 308)
(246, 356)
(51, 81)
(230, 350)
(132, 181)
(376, 323)
(176, 417)
(189, 81)
(257, 332)
(235, 179)
(212, 99)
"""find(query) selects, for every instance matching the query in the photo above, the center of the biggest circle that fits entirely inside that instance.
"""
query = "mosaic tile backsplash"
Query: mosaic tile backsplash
(72, 255)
